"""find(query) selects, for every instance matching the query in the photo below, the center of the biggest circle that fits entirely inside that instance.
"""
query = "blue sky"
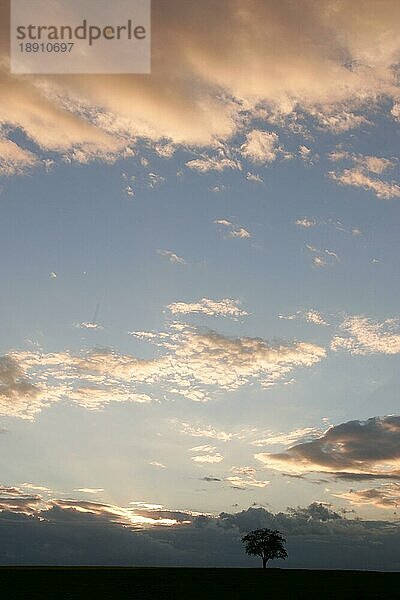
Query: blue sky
(103, 245)
(200, 310)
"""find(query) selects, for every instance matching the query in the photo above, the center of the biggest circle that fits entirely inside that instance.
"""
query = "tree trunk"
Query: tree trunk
(264, 563)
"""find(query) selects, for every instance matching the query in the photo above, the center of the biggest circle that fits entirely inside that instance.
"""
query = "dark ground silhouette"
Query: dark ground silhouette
(73, 583)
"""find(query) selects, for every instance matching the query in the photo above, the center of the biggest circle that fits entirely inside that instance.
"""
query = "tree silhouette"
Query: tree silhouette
(266, 543)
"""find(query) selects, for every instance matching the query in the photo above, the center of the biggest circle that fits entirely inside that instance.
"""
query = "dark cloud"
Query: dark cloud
(13, 499)
(386, 496)
(16, 391)
(363, 476)
(75, 533)
(356, 449)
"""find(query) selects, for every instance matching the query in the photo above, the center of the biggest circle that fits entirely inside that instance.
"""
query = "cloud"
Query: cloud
(364, 336)
(89, 325)
(18, 395)
(319, 261)
(212, 308)
(337, 83)
(323, 257)
(31, 381)
(164, 149)
(134, 516)
(360, 174)
(338, 121)
(76, 532)
(255, 178)
(371, 164)
(357, 178)
(192, 363)
(233, 230)
(311, 316)
(14, 160)
(307, 156)
(207, 454)
(244, 478)
(154, 180)
(306, 222)
(172, 257)
(159, 465)
(96, 397)
(287, 439)
(33, 486)
(205, 431)
(237, 482)
(216, 189)
(386, 496)
(261, 146)
(228, 363)
(208, 458)
(213, 163)
(204, 448)
(240, 232)
(129, 191)
(369, 448)
(86, 490)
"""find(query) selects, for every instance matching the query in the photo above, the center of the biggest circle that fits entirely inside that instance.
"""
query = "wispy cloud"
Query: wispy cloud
(89, 325)
(287, 439)
(364, 174)
(87, 490)
(386, 496)
(254, 177)
(212, 308)
(219, 162)
(172, 257)
(365, 336)
(322, 257)
(306, 222)
(357, 178)
(309, 222)
(311, 316)
(205, 431)
(206, 454)
(243, 478)
(234, 231)
(203, 165)
(156, 463)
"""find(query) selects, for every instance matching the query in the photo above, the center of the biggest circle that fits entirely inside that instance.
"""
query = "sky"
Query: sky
(199, 300)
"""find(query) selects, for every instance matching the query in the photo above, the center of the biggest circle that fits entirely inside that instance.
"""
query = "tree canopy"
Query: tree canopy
(266, 543)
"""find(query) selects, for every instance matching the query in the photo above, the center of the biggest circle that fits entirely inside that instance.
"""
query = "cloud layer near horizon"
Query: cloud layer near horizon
(34, 531)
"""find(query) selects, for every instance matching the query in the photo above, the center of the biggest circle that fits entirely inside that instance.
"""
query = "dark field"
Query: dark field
(192, 584)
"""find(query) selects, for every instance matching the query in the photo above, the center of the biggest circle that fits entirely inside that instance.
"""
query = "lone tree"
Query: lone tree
(266, 543)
